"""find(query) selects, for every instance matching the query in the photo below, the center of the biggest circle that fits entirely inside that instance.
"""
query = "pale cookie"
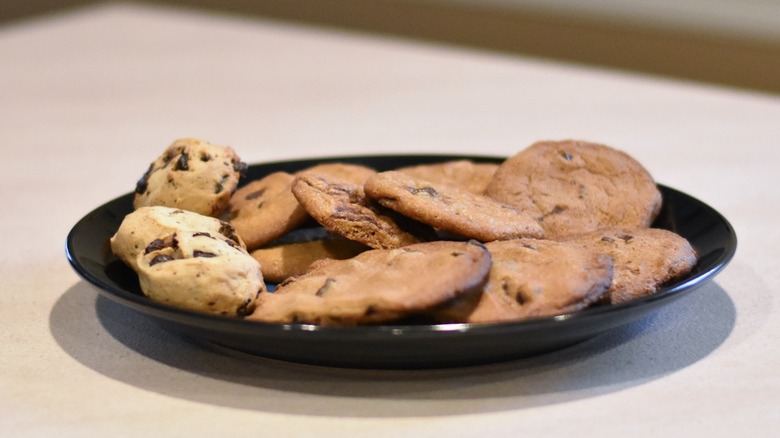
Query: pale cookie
(573, 187)
(283, 260)
(265, 209)
(192, 175)
(645, 259)
(377, 286)
(343, 207)
(533, 278)
(149, 223)
(450, 209)
(464, 174)
(202, 272)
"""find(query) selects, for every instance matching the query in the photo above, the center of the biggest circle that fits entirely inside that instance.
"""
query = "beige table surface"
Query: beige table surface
(89, 98)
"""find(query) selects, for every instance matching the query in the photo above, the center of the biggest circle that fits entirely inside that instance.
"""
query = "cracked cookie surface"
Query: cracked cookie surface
(343, 207)
(572, 187)
(465, 174)
(378, 285)
(265, 209)
(450, 208)
(644, 258)
(534, 278)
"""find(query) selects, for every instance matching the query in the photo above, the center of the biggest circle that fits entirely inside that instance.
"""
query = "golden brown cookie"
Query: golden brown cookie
(265, 209)
(191, 175)
(354, 173)
(573, 187)
(343, 207)
(533, 278)
(378, 285)
(645, 259)
(286, 259)
(464, 174)
(449, 208)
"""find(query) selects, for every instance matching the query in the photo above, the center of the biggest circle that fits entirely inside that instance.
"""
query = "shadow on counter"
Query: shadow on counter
(127, 346)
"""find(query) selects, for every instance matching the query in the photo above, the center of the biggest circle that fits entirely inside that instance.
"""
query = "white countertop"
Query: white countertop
(89, 98)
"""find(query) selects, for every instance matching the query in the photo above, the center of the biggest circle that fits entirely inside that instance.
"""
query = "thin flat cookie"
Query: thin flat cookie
(450, 209)
(378, 285)
(645, 259)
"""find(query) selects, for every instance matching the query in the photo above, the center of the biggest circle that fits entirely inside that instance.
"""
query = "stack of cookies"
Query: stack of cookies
(555, 228)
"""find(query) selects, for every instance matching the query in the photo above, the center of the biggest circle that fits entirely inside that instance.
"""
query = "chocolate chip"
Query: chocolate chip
(205, 157)
(240, 167)
(198, 253)
(143, 183)
(607, 239)
(202, 234)
(160, 258)
(324, 288)
(529, 246)
(256, 194)
(567, 156)
(182, 162)
(428, 190)
(154, 245)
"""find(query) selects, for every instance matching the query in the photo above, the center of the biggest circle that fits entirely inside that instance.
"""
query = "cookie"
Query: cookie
(450, 209)
(465, 174)
(149, 223)
(354, 173)
(378, 285)
(343, 207)
(265, 209)
(645, 259)
(200, 271)
(533, 278)
(191, 175)
(286, 259)
(573, 187)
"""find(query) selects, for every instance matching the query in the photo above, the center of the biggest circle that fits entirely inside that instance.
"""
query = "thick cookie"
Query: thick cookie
(574, 187)
(283, 260)
(378, 285)
(645, 259)
(265, 209)
(149, 223)
(192, 175)
(533, 278)
(450, 209)
(200, 271)
(343, 207)
(464, 174)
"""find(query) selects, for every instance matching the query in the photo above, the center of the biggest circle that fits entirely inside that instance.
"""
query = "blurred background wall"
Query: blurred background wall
(732, 43)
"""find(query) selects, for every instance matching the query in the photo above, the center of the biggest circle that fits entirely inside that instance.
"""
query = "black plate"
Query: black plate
(397, 346)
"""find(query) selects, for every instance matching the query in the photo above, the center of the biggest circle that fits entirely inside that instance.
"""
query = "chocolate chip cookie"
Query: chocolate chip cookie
(532, 278)
(265, 209)
(149, 223)
(285, 259)
(465, 174)
(343, 207)
(573, 187)
(645, 259)
(191, 175)
(378, 285)
(451, 209)
(200, 271)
